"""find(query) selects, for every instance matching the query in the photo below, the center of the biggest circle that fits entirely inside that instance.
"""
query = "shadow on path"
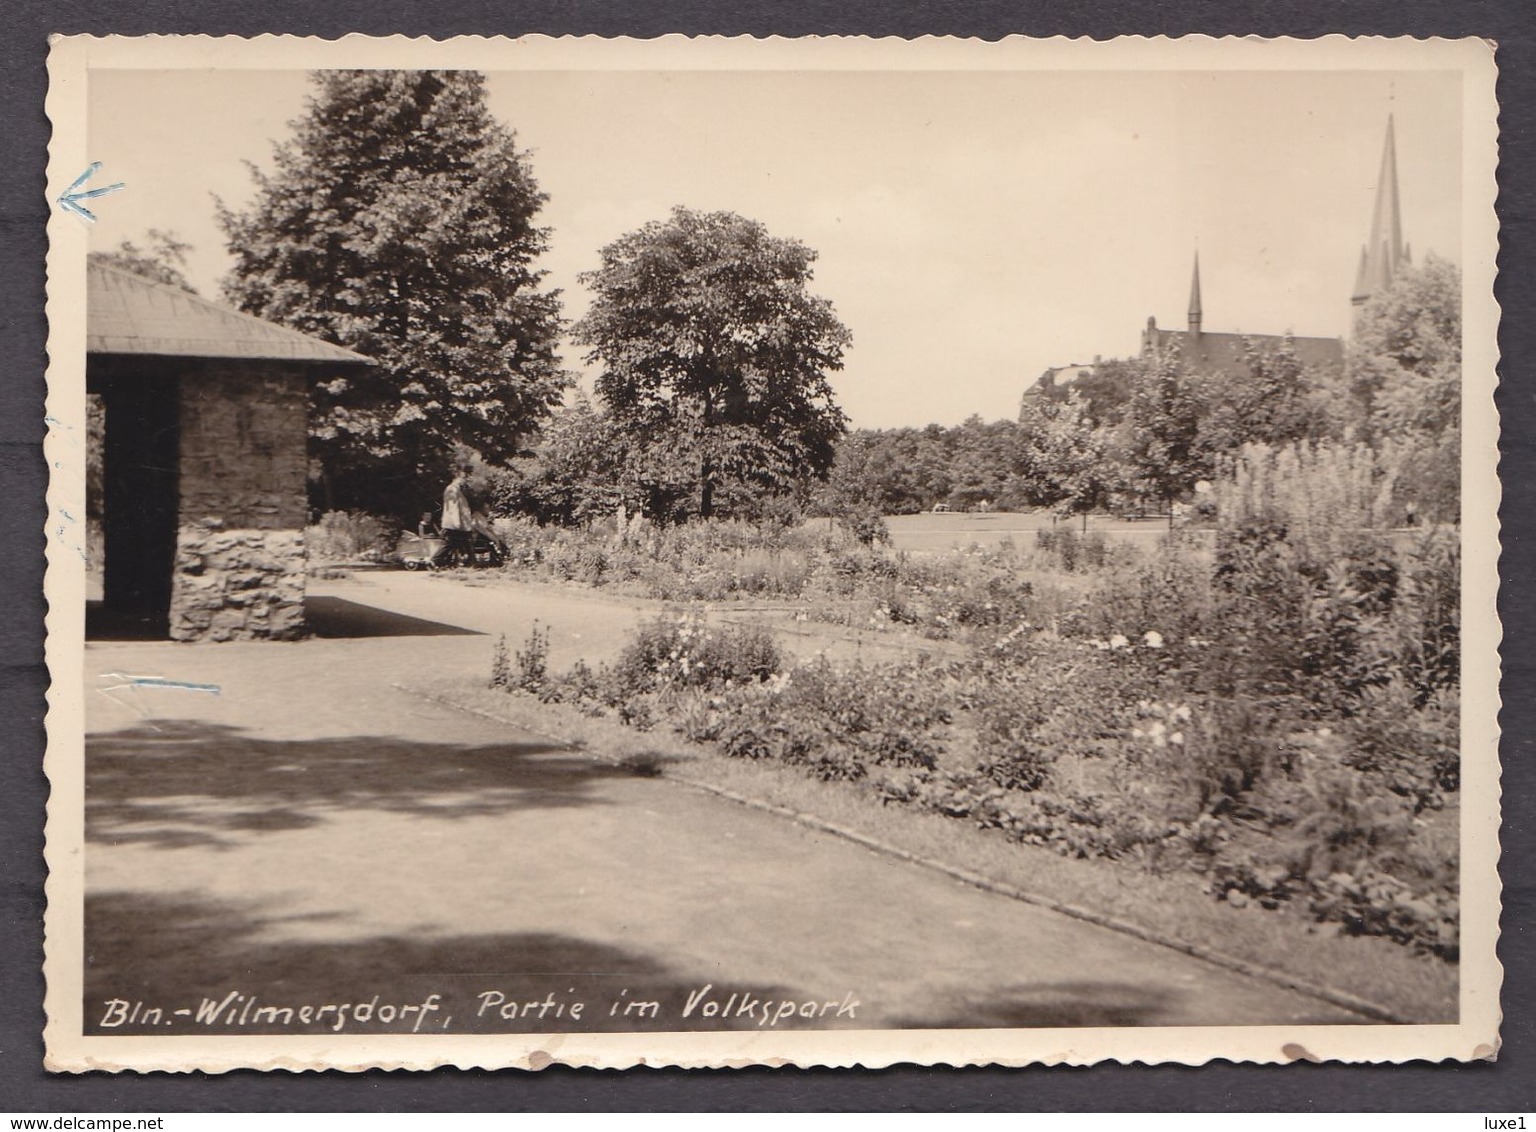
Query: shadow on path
(336, 617)
(176, 954)
(1076, 1003)
(192, 783)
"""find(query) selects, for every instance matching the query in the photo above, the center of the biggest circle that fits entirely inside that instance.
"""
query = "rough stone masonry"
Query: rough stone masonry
(239, 568)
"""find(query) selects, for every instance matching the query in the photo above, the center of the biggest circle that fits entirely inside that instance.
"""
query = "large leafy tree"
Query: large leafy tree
(715, 355)
(878, 470)
(1405, 359)
(1070, 463)
(1405, 371)
(400, 221)
(984, 461)
(1275, 400)
(1166, 448)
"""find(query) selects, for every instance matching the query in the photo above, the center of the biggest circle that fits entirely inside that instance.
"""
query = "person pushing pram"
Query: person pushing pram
(463, 520)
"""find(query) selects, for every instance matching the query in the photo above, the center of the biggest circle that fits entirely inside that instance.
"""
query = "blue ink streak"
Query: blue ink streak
(162, 682)
(70, 200)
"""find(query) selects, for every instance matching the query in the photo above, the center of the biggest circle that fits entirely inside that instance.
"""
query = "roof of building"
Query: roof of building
(128, 314)
(1228, 353)
(1065, 375)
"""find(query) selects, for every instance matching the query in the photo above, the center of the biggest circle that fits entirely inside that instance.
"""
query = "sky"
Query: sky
(972, 229)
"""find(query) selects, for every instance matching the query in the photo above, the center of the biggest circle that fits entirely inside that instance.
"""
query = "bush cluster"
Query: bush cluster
(1279, 714)
(669, 657)
(713, 561)
(670, 654)
(838, 723)
(835, 576)
(1071, 551)
(349, 536)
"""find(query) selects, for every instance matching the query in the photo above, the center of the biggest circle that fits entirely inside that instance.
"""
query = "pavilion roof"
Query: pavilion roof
(128, 314)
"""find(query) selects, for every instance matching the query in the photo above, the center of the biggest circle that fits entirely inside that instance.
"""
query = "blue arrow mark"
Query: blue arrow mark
(69, 199)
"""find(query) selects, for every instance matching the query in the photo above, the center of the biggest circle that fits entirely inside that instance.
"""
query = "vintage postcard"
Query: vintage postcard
(718, 552)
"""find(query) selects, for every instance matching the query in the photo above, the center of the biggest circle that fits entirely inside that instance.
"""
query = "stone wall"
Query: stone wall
(239, 584)
(239, 571)
(243, 447)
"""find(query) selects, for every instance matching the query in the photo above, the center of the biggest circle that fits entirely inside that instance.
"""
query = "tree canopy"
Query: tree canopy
(1131, 431)
(1405, 359)
(1068, 460)
(575, 473)
(1405, 373)
(715, 357)
(400, 221)
(163, 259)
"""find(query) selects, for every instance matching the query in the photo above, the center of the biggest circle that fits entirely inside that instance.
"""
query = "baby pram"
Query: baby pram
(422, 551)
(429, 550)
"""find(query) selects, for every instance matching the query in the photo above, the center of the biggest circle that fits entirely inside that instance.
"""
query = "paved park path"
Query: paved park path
(313, 835)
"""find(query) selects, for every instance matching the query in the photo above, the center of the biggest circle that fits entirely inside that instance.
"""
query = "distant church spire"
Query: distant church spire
(1194, 298)
(1384, 253)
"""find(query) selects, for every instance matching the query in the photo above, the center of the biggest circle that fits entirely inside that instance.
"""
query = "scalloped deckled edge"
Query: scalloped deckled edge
(1476, 1036)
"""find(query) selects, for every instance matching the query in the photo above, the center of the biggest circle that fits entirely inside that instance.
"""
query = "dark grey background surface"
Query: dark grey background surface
(1509, 1085)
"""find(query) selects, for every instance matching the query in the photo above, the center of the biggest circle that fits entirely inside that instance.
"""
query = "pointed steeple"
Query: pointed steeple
(1194, 298)
(1384, 252)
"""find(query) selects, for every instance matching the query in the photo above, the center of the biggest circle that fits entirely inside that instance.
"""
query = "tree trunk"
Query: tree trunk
(707, 467)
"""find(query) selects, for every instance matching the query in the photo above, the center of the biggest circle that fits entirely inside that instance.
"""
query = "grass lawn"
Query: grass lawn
(949, 530)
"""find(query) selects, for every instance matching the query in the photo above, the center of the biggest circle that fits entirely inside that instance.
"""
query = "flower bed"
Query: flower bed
(1283, 728)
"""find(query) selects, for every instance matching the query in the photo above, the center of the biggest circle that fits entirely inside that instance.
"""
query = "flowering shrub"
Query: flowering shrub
(731, 686)
(1164, 723)
(682, 651)
(865, 523)
(1427, 617)
(753, 725)
(579, 686)
(838, 722)
(693, 562)
(525, 670)
(1170, 592)
(1143, 748)
(770, 573)
(1412, 748)
(1323, 836)
(1320, 494)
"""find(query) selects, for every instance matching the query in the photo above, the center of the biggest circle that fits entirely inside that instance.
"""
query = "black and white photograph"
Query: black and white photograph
(729, 552)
